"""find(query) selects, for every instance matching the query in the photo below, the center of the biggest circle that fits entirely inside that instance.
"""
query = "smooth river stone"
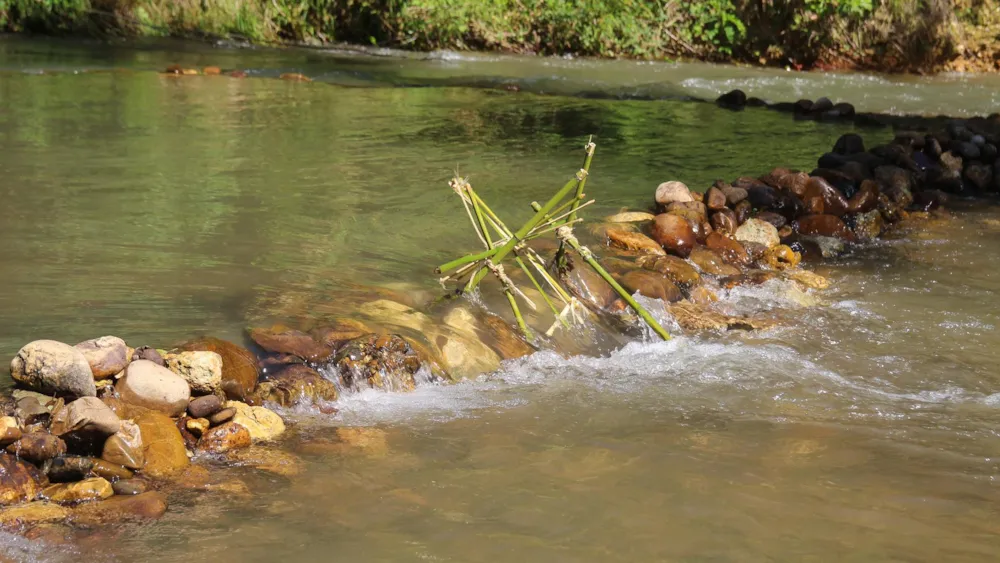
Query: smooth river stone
(833, 201)
(730, 250)
(50, 366)
(669, 192)
(866, 199)
(676, 269)
(824, 225)
(674, 234)
(724, 221)
(651, 284)
(239, 365)
(715, 199)
(154, 387)
(106, 355)
(627, 240)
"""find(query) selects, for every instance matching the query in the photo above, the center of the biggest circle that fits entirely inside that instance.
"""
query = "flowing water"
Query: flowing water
(157, 208)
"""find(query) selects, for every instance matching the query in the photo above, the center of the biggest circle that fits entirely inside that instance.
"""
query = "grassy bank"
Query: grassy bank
(883, 34)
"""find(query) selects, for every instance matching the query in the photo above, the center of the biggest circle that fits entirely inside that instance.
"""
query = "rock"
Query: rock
(834, 202)
(53, 367)
(699, 225)
(386, 361)
(96, 488)
(296, 384)
(126, 447)
(829, 247)
(69, 468)
(371, 441)
(699, 318)
(294, 77)
(674, 234)
(341, 331)
(202, 407)
(32, 514)
(669, 192)
(37, 447)
(266, 459)
(866, 199)
(712, 263)
(675, 269)
(824, 225)
(782, 257)
(190, 440)
(775, 219)
(148, 385)
(696, 210)
(129, 487)
(587, 286)
(630, 217)
(734, 99)
(122, 509)
(85, 420)
(808, 279)
(742, 211)
(201, 370)
(504, 340)
(868, 226)
(19, 481)
(849, 143)
(10, 432)
(724, 221)
(32, 407)
(980, 176)
(162, 446)
(106, 355)
(263, 424)
(929, 200)
(758, 231)
(701, 295)
(110, 471)
(633, 241)
(894, 178)
(148, 354)
(733, 194)
(199, 426)
(651, 285)
(225, 437)
(730, 250)
(239, 366)
(715, 199)
(222, 416)
(282, 340)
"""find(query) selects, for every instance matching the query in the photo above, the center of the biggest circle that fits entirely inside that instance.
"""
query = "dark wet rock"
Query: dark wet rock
(129, 487)
(980, 176)
(866, 199)
(794, 183)
(190, 438)
(651, 284)
(154, 387)
(755, 250)
(381, 361)
(833, 200)
(122, 509)
(675, 269)
(968, 151)
(821, 105)
(53, 367)
(824, 225)
(743, 210)
(296, 384)
(149, 354)
(283, 340)
(10, 431)
(730, 250)
(19, 481)
(699, 225)
(712, 263)
(735, 99)
(773, 178)
(239, 365)
(951, 162)
(750, 277)
(844, 183)
(890, 210)
(867, 226)
(37, 447)
(932, 147)
(84, 424)
(586, 285)
(225, 437)
(222, 416)
(64, 469)
(733, 194)
(125, 448)
(929, 200)
(106, 355)
(762, 196)
(775, 219)
(633, 241)
(715, 199)
(988, 153)
(857, 171)
(756, 102)
(724, 221)
(802, 107)
(674, 233)
(202, 407)
(670, 192)
(110, 471)
(849, 143)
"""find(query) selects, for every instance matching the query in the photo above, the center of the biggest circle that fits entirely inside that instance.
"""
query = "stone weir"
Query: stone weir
(102, 433)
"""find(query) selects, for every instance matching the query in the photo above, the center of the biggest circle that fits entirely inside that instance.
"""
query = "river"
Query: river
(157, 208)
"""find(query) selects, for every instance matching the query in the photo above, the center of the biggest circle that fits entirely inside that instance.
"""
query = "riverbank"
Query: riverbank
(892, 36)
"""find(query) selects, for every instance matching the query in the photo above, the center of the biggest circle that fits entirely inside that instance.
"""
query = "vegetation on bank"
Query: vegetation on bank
(886, 34)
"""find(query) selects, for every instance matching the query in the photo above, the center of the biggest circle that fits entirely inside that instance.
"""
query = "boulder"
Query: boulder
(263, 424)
(53, 367)
(283, 340)
(225, 437)
(162, 446)
(824, 225)
(650, 284)
(86, 419)
(734, 99)
(980, 176)
(670, 192)
(758, 231)
(149, 354)
(202, 407)
(107, 355)
(239, 365)
(849, 143)
(201, 370)
(96, 488)
(148, 385)
(675, 269)
(19, 481)
(296, 383)
(121, 509)
(674, 234)
(125, 447)
(33, 514)
(730, 250)
(386, 361)
(37, 447)
(638, 242)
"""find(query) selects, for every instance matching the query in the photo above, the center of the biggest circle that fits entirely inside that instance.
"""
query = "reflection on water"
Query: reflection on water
(156, 208)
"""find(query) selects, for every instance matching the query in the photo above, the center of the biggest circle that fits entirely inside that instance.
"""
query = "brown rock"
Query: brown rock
(84, 421)
(202, 407)
(106, 355)
(697, 209)
(824, 225)
(808, 279)
(730, 250)
(32, 514)
(715, 199)
(773, 218)
(674, 234)
(381, 361)
(225, 437)
(163, 446)
(724, 221)
(341, 331)
(211, 71)
(148, 354)
(222, 416)
(743, 210)
(637, 242)
(675, 269)
(650, 284)
(125, 447)
(129, 487)
(19, 481)
(282, 340)
(833, 201)
(698, 318)
(197, 426)
(783, 257)
(266, 459)
(504, 340)
(734, 195)
(110, 471)
(262, 423)
(96, 488)
(122, 509)
(794, 183)
(190, 440)
(866, 199)
(239, 365)
(296, 383)
(10, 432)
(712, 263)
(814, 205)
(37, 447)
(669, 192)
(294, 77)
(701, 295)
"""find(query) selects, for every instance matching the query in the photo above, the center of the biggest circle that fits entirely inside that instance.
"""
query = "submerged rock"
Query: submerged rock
(675, 269)
(808, 279)
(637, 242)
(148, 385)
(650, 284)
(824, 225)
(296, 383)
(698, 318)
(868, 226)
(380, 361)
(504, 340)
(106, 355)
(32, 514)
(121, 509)
(54, 367)
(201, 370)
(283, 340)
(267, 459)
(630, 217)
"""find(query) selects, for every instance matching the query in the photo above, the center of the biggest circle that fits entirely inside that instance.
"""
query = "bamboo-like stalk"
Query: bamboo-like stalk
(590, 149)
(565, 234)
(517, 315)
(465, 260)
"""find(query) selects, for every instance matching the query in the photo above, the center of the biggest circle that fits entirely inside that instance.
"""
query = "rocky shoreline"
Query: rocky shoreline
(101, 433)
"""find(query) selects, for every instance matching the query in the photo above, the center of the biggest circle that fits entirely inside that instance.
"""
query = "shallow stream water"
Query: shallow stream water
(157, 208)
